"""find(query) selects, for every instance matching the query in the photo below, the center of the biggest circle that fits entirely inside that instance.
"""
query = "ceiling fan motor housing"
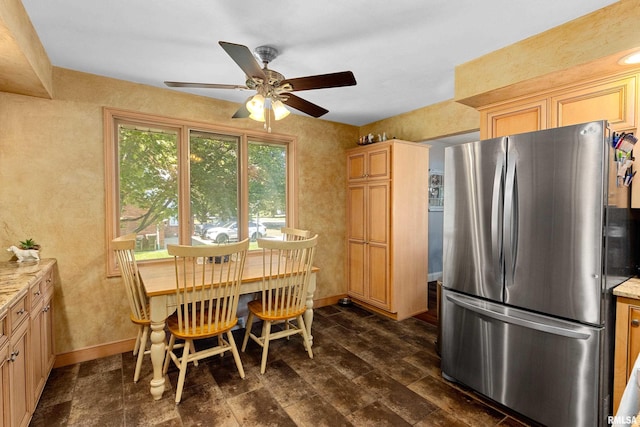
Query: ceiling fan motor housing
(266, 54)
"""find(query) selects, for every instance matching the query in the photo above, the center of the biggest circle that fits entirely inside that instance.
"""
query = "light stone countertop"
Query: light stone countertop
(15, 279)
(628, 289)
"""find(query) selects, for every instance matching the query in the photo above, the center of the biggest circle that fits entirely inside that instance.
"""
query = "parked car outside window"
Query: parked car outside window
(229, 232)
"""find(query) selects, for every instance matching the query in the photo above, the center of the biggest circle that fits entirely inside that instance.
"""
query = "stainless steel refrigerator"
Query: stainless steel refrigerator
(537, 232)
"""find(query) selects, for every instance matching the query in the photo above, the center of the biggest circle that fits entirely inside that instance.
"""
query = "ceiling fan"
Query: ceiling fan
(273, 89)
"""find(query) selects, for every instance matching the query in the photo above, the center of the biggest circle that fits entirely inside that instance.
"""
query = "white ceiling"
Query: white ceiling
(402, 52)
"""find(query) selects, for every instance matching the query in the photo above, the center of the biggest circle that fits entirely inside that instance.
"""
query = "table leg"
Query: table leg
(159, 312)
(308, 314)
(157, 359)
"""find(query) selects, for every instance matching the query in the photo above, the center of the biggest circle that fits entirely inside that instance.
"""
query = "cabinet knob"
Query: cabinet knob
(20, 312)
(635, 323)
(14, 356)
(37, 293)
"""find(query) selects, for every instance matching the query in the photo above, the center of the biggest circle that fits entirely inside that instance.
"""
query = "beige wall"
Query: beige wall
(52, 189)
(434, 121)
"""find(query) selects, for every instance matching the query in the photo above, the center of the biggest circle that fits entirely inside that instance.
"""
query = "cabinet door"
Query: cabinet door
(356, 166)
(48, 349)
(378, 213)
(18, 376)
(4, 385)
(356, 207)
(38, 376)
(373, 163)
(627, 344)
(379, 163)
(510, 120)
(356, 269)
(378, 278)
(377, 244)
(633, 343)
(613, 101)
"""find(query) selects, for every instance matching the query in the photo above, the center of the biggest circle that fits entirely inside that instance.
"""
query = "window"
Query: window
(172, 181)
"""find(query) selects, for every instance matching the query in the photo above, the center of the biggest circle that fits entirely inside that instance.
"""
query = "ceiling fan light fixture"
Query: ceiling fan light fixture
(258, 116)
(279, 110)
(256, 105)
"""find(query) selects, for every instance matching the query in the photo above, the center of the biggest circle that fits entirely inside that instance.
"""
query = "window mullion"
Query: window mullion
(184, 186)
(243, 184)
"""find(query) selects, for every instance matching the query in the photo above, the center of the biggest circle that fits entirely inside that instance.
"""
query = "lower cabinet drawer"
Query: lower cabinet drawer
(18, 312)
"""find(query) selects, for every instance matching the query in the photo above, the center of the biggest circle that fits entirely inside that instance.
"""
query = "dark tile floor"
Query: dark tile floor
(367, 371)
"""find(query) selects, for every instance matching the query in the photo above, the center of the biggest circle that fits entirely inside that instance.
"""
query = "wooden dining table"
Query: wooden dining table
(159, 282)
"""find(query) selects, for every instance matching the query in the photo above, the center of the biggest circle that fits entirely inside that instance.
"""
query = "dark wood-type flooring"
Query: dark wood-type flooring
(367, 371)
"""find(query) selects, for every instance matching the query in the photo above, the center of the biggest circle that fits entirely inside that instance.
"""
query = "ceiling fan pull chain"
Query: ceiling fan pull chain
(268, 114)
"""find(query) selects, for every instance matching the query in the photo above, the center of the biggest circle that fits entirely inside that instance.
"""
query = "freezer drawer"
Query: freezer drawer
(544, 368)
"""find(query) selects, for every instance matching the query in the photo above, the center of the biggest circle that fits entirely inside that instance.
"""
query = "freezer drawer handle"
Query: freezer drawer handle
(517, 321)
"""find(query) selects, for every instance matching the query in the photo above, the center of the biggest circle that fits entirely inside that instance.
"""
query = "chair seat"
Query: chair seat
(143, 322)
(200, 331)
(276, 313)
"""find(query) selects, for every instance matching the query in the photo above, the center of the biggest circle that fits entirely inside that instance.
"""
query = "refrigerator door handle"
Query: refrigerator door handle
(511, 219)
(526, 323)
(496, 217)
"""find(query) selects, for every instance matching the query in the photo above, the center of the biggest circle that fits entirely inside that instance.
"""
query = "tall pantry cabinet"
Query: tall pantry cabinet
(387, 227)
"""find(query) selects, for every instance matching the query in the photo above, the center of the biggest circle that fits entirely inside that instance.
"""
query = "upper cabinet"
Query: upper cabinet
(517, 117)
(374, 163)
(612, 99)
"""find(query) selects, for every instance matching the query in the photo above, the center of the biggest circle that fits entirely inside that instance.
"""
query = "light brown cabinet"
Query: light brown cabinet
(612, 99)
(517, 117)
(43, 356)
(18, 385)
(627, 344)
(387, 227)
(26, 350)
(4, 371)
(369, 163)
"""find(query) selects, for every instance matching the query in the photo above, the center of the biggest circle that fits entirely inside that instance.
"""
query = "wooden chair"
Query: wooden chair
(292, 234)
(124, 248)
(286, 273)
(208, 282)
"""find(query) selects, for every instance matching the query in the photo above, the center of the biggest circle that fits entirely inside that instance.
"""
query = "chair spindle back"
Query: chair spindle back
(286, 274)
(292, 234)
(124, 248)
(208, 277)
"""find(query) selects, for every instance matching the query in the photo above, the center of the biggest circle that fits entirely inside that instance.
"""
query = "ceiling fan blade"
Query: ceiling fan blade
(321, 81)
(206, 85)
(244, 58)
(242, 112)
(305, 106)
